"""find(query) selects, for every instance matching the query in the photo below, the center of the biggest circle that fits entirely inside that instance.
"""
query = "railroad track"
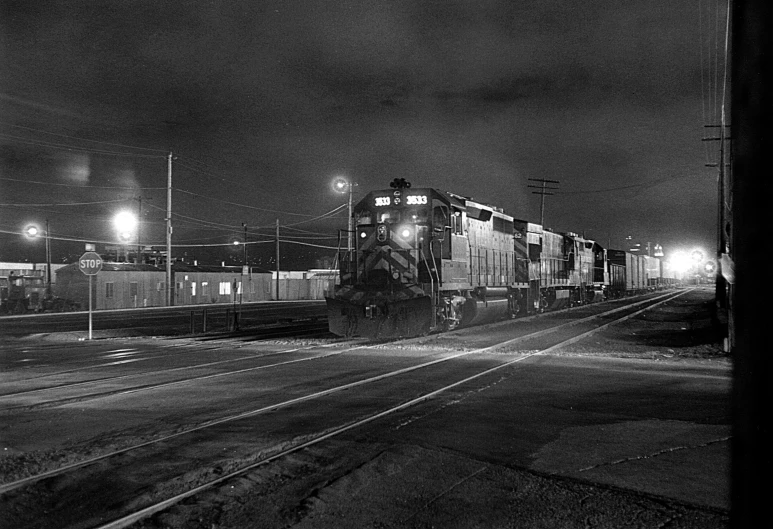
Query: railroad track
(108, 487)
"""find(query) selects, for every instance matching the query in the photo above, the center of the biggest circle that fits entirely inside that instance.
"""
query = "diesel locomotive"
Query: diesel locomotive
(424, 260)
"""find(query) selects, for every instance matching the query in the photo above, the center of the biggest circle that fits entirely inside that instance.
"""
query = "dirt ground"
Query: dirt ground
(370, 480)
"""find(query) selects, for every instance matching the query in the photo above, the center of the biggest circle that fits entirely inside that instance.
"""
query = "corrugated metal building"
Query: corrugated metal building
(125, 285)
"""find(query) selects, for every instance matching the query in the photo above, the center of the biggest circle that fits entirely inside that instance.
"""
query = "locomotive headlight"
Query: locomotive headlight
(363, 235)
(405, 232)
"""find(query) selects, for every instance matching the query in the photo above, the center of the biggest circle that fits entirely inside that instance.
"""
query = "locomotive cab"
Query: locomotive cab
(390, 277)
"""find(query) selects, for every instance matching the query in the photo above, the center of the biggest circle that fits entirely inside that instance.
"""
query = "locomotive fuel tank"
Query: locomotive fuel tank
(488, 304)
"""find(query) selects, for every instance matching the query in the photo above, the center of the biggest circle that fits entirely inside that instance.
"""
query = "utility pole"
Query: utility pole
(139, 230)
(169, 286)
(544, 188)
(48, 260)
(277, 259)
(244, 269)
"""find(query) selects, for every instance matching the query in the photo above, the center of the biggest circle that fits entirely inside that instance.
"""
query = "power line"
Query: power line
(82, 139)
(80, 185)
(41, 143)
(241, 205)
(72, 204)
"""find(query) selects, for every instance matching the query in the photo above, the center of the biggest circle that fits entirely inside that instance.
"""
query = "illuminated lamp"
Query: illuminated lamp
(32, 231)
(680, 262)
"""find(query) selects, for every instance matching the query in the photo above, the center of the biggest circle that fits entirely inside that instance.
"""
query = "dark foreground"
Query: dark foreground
(629, 428)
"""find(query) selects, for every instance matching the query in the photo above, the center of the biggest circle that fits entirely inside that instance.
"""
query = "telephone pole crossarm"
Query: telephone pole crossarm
(543, 191)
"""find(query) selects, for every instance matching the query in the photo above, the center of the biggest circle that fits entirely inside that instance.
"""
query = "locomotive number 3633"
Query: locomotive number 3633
(415, 200)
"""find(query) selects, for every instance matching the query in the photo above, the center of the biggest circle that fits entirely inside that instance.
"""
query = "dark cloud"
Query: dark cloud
(277, 97)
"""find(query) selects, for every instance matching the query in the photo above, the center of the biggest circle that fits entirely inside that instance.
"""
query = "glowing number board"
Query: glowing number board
(410, 200)
(414, 200)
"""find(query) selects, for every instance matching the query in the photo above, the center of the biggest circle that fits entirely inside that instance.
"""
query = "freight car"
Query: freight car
(631, 273)
(425, 260)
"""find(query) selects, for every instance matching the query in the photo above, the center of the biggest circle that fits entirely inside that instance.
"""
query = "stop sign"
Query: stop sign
(90, 263)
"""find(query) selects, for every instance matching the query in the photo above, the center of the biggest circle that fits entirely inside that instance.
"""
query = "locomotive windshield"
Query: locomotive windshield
(392, 216)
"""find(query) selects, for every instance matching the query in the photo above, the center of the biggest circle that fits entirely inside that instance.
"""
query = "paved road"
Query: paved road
(661, 428)
(573, 439)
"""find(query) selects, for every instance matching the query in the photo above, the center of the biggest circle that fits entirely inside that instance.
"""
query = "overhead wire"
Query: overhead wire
(158, 153)
(65, 204)
(81, 139)
(650, 183)
(81, 186)
(247, 206)
(41, 143)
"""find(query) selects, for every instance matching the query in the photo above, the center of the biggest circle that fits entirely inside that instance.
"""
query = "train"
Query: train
(422, 260)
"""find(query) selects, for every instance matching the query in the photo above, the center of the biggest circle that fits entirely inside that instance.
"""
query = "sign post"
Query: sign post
(90, 264)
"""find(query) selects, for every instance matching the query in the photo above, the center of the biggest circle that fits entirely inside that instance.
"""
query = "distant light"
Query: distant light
(681, 262)
(710, 267)
(340, 185)
(405, 233)
(31, 231)
(236, 243)
(697, 256)
(659, 251)
(125, 223)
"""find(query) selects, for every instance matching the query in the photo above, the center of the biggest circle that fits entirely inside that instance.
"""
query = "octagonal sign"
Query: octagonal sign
(90, 263)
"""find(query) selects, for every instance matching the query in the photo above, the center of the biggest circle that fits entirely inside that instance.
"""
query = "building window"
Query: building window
(133, 289)
(109, 290)
(193, 288)
(204, 288)
(159, 286)
(225, 288)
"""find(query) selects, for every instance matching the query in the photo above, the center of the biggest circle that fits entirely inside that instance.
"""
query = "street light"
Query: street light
(125, 224)
(33, 232)
(342, 185)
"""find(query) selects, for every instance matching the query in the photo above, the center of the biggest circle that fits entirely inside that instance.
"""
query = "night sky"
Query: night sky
(264, 103)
